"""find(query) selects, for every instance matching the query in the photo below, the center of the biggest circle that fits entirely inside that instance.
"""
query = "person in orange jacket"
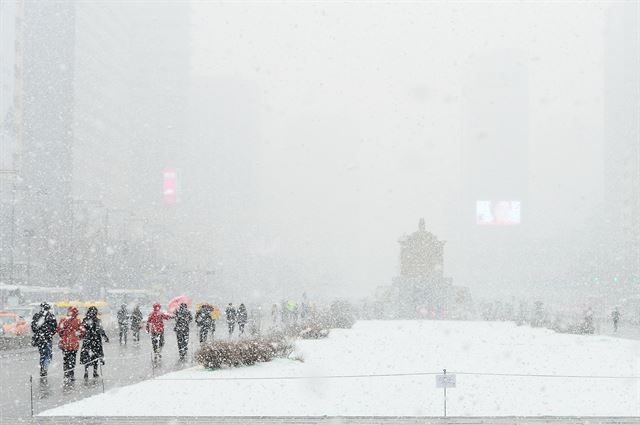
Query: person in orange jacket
(71, 332)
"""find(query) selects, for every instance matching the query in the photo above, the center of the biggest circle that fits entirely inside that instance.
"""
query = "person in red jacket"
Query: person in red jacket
(155, 326)
(71, 332)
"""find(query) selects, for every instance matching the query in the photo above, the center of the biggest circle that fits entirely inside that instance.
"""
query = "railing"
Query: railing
(448, 373)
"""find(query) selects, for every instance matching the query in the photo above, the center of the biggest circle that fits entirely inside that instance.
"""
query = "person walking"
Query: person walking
(615, 316)
(43, 327)
(204, 320)
(136, 323)
(242, 318)
(92, 351)
(123, 324)
(274, 313)
(155, 327)
(71, 332)
(231, 314)
(183, 321)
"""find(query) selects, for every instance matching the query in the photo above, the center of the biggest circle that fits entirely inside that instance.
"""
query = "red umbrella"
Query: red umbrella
(175, 302)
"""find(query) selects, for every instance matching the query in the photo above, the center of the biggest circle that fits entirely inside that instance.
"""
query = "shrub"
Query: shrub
(243, 353)
(341, 314)
(311, 328)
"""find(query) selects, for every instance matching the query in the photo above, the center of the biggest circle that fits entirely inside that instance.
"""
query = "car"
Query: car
(12, 325)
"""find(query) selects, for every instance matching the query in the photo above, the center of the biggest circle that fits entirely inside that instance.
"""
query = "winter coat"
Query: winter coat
(123, 317)
(155, 322)
(136, 319)
(231, 314)
(242, 315)
(92, 342)
(183, 319)
(71, 332)
(43, 327)
(203, 316)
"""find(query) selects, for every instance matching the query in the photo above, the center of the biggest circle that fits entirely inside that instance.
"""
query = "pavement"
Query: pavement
(325, 420)
(124, 365)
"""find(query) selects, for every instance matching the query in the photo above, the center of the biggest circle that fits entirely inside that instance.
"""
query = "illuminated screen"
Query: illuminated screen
(497, 213)
(170, 185)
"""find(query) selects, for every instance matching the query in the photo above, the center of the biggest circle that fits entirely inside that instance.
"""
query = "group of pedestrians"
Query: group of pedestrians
(71, 331)
(235, 316)
(128, 321)
(88, 334)
(207, 315)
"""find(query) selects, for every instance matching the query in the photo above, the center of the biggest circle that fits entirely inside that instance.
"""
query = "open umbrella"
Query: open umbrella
(175, 302)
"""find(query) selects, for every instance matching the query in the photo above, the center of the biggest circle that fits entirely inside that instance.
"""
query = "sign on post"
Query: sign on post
(445, 381)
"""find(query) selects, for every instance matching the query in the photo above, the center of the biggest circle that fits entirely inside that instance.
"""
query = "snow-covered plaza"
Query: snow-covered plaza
(340, 376)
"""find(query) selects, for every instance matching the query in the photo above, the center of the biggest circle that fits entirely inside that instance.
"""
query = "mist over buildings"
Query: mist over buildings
(308, 138)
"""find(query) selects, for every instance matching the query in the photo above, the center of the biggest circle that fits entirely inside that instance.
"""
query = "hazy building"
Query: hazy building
(421, 254)
(221, 187)
(422, 287)
(8, 145)
(494, 168)
(45, 139)
(622, 139)
(99, 112)
(130, 90)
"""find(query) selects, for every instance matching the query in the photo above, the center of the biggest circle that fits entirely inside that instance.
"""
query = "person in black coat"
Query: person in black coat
(123, 324)
(205, 322)
(43, 327)
(136, 323)
(183, 320)
(231, 318)
(92, 351)
(242, 318)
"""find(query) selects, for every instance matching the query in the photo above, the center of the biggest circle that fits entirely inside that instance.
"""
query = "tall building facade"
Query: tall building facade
(622, 139)
(131, 84)
(99, 112)
(221, 189)
(45, 139)
(8, 142)
(494, 169)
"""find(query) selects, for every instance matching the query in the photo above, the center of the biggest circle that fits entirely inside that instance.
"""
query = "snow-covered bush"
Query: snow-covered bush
(243, 352)
(341, 315)
(309, 329)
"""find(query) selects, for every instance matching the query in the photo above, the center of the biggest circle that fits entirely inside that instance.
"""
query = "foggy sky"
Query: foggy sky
(357, 117)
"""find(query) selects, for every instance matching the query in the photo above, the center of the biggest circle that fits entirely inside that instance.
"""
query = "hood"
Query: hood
(156, 307)
(73, 312)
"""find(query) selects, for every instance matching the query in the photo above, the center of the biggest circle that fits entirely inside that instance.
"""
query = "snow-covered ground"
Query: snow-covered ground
(398, 347)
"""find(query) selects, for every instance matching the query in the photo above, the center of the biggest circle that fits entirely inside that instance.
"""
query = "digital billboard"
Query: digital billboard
(497, 213)
(170, 185)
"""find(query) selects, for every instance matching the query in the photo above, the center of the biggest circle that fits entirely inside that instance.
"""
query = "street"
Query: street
(124, 364)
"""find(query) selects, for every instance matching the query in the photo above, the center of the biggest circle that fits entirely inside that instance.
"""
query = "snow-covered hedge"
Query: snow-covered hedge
(340, 314)
(243, 352)
(309, 329)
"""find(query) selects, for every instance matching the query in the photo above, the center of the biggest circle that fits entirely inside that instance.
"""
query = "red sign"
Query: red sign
(170, 185)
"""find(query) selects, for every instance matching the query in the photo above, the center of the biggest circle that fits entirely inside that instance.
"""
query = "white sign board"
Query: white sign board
(445, 381)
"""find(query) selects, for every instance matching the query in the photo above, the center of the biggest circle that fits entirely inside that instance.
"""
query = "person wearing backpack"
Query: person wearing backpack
(43, 327)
